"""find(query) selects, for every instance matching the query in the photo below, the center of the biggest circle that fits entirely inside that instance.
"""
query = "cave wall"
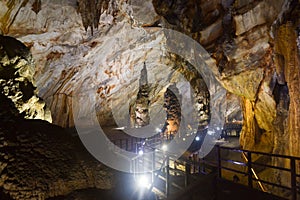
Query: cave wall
(240, 35)
(16, 79)
(287, 55)
(254, 43)
(39, 160)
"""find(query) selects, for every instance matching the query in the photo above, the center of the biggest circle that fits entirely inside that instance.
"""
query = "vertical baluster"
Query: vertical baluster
(199, 165)
(187, 174)
(219, 161)
(293, 179)
(250, 184)
(153, 166)
(194, 162)
(203, 166)
(167, 177)
(175, 167)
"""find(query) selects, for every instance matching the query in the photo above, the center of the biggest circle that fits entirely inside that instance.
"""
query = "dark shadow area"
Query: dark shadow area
(233, 191)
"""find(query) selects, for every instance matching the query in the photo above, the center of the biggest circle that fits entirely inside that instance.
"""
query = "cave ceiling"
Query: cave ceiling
(112, 52)
(103, 45)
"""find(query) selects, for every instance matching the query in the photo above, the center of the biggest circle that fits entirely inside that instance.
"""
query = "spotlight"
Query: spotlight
(210, 132)
(141, 152)
(157, 130)
(183, 139)
(143, 181)
(197, 138)
(164, 147)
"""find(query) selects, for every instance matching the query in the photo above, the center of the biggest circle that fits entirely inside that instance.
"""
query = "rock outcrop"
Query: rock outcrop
(16, 79)
(255, 45)
(238, 34)
(40, 160)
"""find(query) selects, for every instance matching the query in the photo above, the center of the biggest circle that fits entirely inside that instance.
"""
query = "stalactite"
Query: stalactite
(173, 109)
(37, 6)
(139, 110)
(91, 11)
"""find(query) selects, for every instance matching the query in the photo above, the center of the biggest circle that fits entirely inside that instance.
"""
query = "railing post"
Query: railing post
(187, 174)
(175, 167)
(202, 166)
(167, 177)
(293, 179)
(120, 143)
(194, 162)
(219, 161)
(127, 144)
(153, 165)
(250, 184)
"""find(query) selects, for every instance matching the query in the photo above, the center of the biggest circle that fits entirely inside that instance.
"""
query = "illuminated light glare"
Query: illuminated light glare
(141, 152)
(158, 130)
(164, 147)
(197, 138)
(183, 139)
(210, 132)
(120, 128)
(238, 163)
(143, 182)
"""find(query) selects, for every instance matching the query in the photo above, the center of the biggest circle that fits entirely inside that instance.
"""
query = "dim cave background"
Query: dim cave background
(54, 52)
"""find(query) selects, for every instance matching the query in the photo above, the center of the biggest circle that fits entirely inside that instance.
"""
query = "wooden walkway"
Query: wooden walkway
(190, 177)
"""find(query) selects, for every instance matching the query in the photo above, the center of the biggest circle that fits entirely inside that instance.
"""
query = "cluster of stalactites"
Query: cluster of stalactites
(91, 11)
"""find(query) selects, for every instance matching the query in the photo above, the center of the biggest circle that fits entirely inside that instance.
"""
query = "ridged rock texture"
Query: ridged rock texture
(40, 160)
(254, 43)
(16, 79)
(241, 36)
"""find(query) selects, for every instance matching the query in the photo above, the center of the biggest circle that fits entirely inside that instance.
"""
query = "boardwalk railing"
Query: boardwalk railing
(250, 164)
(187, 167)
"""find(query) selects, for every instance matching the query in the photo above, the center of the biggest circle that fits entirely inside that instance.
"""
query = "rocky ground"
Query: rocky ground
(254, 45)
(40, 160)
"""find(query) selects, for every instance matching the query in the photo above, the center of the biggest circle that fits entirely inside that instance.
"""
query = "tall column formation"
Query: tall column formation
(286, 47)
(139, 110)
(173, 109)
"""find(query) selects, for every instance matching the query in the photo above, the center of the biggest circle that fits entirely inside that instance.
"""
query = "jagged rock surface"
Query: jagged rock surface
(40, 160)
(16, 79)
(236, 37)
(254, 44)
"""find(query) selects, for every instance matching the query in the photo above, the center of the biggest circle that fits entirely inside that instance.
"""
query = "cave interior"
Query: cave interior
(67, 66)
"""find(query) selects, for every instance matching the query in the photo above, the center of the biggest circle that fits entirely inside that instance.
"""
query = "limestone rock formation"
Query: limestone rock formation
(139, 109)
(40, 160)
(241, 37)
(172, 101)
(16, 79)
(255, 45)
(235, 32)
(256, 53)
